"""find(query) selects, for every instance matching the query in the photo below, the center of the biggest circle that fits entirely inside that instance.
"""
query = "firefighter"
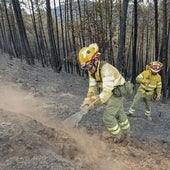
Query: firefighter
(150, 88)
(103, 75)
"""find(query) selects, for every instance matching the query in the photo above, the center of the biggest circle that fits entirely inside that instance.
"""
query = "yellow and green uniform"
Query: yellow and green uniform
(107, 78)
(146, 90)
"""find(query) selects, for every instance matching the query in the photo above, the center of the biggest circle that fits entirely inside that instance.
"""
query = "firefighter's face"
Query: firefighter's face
(94, 67)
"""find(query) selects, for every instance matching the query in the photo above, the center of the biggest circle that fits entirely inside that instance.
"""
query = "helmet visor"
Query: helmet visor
(155, 68)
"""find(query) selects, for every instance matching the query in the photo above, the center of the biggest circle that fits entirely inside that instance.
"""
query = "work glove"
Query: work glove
(90, 102)
(87, 101)
(145, 82)
(156, 97)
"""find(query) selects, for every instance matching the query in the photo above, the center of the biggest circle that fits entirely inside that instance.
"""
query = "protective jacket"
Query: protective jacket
(107, 78)
(154, 85)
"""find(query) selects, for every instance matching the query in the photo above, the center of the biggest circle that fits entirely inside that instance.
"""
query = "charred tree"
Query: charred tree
(121, 50)
(62, 32)
(156, 30)
(163, 53)
(39, 53)
(22, 32)
(55, 59)
(134, 54)
(4, 43)
(13, 48)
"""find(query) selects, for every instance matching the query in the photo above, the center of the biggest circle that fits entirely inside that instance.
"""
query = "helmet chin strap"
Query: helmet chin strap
(95, 63)
(154, 73)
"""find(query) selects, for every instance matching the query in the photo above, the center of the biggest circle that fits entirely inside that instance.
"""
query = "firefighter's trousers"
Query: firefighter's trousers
(115, 118)
(141, 97)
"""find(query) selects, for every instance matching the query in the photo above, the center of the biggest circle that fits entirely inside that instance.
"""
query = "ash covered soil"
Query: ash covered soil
(34, 102)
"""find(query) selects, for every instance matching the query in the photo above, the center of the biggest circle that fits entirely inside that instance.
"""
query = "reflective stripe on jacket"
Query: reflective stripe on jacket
(107, 78)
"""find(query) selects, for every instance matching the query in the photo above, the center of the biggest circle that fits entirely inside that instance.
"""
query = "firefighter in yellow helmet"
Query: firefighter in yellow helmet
(150, 88)
(103, 75)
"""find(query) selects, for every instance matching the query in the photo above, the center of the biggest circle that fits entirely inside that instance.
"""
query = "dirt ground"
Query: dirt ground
(34, 102)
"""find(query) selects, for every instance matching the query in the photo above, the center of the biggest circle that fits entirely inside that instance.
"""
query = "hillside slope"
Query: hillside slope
(34, 103)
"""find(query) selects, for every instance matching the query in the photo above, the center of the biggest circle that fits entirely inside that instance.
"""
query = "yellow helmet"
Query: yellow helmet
(87, 54)
(155, 66)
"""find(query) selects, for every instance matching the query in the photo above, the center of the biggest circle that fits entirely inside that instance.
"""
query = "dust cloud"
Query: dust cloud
(16, 101)
(92, 150)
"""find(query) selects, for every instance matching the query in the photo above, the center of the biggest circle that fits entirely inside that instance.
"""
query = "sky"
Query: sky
(56, 1)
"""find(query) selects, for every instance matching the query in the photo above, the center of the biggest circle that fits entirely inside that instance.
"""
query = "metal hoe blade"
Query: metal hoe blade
(74, 119)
